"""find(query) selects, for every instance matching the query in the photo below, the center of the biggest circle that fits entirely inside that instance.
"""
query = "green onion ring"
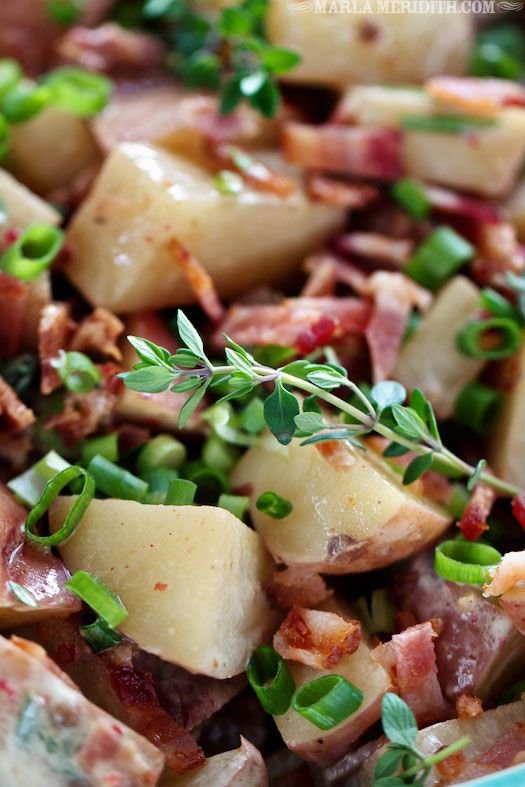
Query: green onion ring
(468, 562)
(51, 491)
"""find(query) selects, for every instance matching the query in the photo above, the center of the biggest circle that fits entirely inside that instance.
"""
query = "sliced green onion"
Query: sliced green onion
(271, 680)
(29, 486)
(327, 701)
(22, 594)
(219, 455)
(99, 636)
(93, 592)
(83, 93)
(468, 562)
(274, 505)
(210, 481)
(440, 255)
(477, 407)
(10, 75)
(446, 124)
(158, 481)
(51, 491)
(161, 451)
(5, 137)
(114, 481)
(78, 372)
(237, 504)
(497, 305)
(458, 500)
(106, 445)
(228, 183)
(181, 492)
(506, 332)
(411, 198)
(33, 251)
(64, 12)
(491, 60)
(24, 101)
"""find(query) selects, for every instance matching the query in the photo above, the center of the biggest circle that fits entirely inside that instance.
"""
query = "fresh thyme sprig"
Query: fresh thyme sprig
(411, 428)
(226, 52)
(402, 762)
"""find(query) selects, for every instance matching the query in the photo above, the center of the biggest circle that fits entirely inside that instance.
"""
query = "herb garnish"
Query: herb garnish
(413, 427)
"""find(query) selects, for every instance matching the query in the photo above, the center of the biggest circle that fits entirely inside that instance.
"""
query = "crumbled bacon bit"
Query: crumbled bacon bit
(474, 95)
(54, 330)
(199, 280)
(13, 297)
(375, 245)
(518, 508)
(110, 48)
(315, 638)
(326, 270)
(474, 520)
(340, 193)
(317, 335)
(295, 585)
(160, 586)
(498, 253)
(468, 707)
(16, 414)
(451, 767)
(98, 333)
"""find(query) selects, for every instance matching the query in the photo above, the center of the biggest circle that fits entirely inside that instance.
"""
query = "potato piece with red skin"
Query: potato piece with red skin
(242, 767)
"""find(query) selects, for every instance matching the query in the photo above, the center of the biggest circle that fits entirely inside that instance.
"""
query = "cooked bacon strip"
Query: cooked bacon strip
(376, 246)
(98, 333)
(315, 638)
(54, 331)
(199, 280)
(13, 297)
(476, 96)
(110, 48)
(295, 585)
(394, 297)
(447, 201)
(326, 271)
(256, 174)
(304, 323)
(15, 413)
(410, 659)
(499, 253)
(508, 583)
(341, 193)
(15, 448)
(474, 520)
(468, 707)
(358, 151)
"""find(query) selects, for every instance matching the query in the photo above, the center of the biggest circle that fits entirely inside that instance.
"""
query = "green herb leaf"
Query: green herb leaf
(186, 385)
(279, 60)
(326, 378)
(152, 379)
(409, 422)
(280, 410)
(387, 393)
(184, 358)
(189, 336)
(310, 423)
(474, 478)
(389, 762)
(395, 449)
(191, 404)
(149, 352)
(417, 467)
(399, 723)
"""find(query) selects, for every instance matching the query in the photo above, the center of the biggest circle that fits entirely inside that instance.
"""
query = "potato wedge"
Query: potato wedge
(144, 196)
(242, 767)
(350, 512)
(339, 49)
(437, 367)
(37, 160)
(507, 441)
(516, 210)
(22, 207)
(190, 577)
(53, 737)
(325, 747)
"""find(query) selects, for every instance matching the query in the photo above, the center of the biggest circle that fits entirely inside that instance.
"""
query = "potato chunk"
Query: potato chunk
(242, 767)
(438, 367)
(21, 206)
(144, 196)
(350, 512)
(507, 443)
(190, 577)
(338, 49)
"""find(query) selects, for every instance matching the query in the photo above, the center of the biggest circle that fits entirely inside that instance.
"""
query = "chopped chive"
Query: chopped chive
(93, 592)
(5, 137)
(458, 500)
(51, 491)
(64, 12)
(411, 198)
(237, 504)
(29, 486)
(489, 340)
(274, 505)
(114, 481)
(22, 594)
(10, 75)
(210, 481)
(219, 455)
(477, 407)
(83, 93)
(498, 305)
(181, 492)
(106, 446)
(24, 101)
(271, 680)
(446, 124)
(161, 451)
(438, 258)
(99, 636)
(78, 372)
(33, 251)
(158, 481)
(228, 183)
(468, 562)
(327, 701)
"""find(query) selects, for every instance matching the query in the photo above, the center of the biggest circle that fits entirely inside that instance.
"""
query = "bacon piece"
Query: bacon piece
(326, 271)
(476, 96)
(518, 509)
(502, 754)
(13, 297)
(410, 659)
(54, 330)
(499, 253)
(295, 322)
(446, 201)
(474, 520)
(199, 280)
(315, 638)
(15, 413)
(376, 246)
(358, 151)
(341, 193)
(295, 585)
(468, 707)
(255, 173)
(98, 333)
(394, 297)
(110, 48)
